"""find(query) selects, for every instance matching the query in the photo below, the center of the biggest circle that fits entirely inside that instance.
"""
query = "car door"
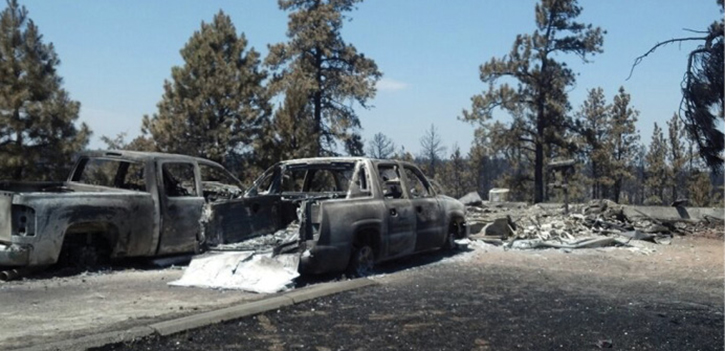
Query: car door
(428, 216)
(400, 237)
(181, 206)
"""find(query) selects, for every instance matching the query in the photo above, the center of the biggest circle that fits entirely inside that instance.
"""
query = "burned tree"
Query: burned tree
(702, 102)
(381, 146)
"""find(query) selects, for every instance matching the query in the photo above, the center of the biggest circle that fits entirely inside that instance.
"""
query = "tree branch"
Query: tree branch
(639, 59)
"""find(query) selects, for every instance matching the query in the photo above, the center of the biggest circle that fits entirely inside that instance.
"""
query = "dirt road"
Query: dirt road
(490, 299)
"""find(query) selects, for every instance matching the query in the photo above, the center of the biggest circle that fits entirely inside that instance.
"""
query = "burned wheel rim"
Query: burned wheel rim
(363, 261)
(453, 235)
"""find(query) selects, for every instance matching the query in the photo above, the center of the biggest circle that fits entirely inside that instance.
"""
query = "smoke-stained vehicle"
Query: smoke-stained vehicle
(356, 212)
(114, 204)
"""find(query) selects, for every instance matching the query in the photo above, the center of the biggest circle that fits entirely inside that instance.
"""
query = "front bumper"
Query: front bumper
(14, 255)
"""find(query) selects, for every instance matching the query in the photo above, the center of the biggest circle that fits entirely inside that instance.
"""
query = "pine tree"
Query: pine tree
(293, 127)
(458, 178)
(381, 147)
(215, 105)
(677, 156)
(516, 159)
(593, 125)
(624, 141)
(330, 72)
(656, 168)
(481, 170)
(432, 150)
(541, 81)
(38, 135)
(140, 143)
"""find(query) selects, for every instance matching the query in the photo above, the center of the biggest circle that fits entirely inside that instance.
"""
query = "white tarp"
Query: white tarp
(247, 270)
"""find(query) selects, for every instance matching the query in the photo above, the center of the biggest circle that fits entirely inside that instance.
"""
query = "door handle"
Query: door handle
(393, 212)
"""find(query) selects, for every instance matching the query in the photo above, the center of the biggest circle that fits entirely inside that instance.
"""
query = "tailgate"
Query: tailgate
(6, 200)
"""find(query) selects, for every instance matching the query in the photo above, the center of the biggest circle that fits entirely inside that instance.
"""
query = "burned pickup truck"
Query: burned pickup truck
(351, 212)
(114, 204)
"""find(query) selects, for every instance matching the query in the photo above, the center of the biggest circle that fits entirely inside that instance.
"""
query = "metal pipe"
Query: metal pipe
(17, 273)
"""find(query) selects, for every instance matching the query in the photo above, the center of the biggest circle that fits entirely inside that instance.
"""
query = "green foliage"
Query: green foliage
(594, 125)
(293, 131)
(403, 155)
(458, 176)
(677, 157)
(215, 105)
(656, 167)
(700, 189)
(381, 147)
(328, 71)
(37, 132)
(118, 142)
(540, 91)
(623, 141)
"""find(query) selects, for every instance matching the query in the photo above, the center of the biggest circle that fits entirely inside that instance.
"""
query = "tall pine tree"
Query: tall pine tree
(329, 71)
(594, 133)
(38, 135)
(656, 160)
(624, 141)
(215, 105)
(677, 157)
(541, 81)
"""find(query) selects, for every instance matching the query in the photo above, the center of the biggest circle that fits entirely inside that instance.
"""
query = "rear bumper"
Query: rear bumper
(14, 255)
(324, 259)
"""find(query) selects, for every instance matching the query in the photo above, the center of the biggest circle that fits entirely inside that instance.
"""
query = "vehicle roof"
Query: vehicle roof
(144, 155)
(322, 160)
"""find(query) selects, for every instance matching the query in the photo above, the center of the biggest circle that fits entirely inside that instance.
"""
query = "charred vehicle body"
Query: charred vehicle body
(352, 212)
(114, 204)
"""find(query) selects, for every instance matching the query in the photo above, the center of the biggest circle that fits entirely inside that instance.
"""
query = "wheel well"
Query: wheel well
(456, 226)
(369, 236)
(100, 234)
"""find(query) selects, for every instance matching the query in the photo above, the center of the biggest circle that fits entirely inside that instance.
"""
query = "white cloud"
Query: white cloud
(390, 85)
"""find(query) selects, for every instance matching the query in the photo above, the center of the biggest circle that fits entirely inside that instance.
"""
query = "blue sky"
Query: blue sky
(116, 54)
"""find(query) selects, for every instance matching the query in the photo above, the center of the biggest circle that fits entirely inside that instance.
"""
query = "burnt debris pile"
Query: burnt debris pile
(596, 224)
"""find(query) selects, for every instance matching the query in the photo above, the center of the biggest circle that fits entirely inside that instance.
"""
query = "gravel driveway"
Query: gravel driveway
(490, 299)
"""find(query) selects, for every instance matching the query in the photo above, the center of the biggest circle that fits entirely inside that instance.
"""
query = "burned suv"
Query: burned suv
(356, 212)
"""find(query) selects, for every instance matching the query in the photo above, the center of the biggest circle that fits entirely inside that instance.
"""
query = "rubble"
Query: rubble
(599, 223)
(259, 264)
(277, 241)
(471, 199)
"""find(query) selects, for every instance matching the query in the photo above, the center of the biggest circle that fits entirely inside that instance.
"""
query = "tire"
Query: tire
(362, 261)
(200, 243)
(454, 233)
(84, 254)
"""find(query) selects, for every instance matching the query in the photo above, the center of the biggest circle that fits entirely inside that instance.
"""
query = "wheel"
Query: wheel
(200, 243)
(454, 233)
(83, 252)
(361, 261)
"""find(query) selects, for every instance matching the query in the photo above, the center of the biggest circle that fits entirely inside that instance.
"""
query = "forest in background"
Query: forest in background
(219, 105)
